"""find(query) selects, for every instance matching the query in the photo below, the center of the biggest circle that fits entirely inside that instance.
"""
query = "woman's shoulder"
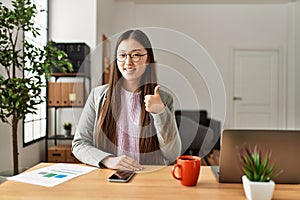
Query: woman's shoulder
(165, 95)
(100, 89)
(98, 95)
(99, 92)
(164, 92)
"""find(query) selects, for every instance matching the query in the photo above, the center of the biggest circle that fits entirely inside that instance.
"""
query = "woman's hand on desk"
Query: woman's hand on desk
(121, 162)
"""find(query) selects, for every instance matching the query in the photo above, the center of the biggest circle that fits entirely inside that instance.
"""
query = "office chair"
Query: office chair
(200, 116)
(196, 139)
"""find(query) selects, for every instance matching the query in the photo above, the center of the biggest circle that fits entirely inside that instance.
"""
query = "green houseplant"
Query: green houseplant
(258, 173)
(68, 128)
(26, 67)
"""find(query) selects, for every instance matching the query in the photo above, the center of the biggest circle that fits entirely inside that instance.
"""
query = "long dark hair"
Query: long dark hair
(109, 113)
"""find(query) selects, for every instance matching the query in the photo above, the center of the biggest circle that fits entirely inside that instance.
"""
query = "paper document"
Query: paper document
(52, 175)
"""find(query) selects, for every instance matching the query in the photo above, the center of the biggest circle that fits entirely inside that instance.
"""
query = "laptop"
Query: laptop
(284, 144)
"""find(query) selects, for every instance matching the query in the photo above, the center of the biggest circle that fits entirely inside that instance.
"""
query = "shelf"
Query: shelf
(65, 106)
(69, 75)
(67, 90)
(61, 137)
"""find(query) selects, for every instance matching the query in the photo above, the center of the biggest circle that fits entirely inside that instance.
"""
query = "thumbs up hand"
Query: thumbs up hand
(153, 103)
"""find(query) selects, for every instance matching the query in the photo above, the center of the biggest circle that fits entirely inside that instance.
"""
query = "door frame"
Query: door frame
(282, 82)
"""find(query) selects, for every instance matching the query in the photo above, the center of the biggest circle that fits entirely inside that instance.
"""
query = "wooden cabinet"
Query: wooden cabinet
(63, 94)
(61, 153)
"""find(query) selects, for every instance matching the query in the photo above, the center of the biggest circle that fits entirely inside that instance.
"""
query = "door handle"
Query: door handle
(237, 98)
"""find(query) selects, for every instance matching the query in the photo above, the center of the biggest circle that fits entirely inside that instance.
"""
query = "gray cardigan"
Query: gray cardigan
(83, 144)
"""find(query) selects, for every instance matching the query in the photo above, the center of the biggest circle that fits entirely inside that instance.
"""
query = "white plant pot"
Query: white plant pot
(258, 190)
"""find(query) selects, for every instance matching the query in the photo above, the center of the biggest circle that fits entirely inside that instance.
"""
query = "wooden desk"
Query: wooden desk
(158, 184)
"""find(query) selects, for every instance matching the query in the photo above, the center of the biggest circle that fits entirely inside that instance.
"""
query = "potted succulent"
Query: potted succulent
(258, 174)
(67, 128)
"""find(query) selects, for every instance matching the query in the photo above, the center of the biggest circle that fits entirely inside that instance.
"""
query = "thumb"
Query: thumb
(156, 90)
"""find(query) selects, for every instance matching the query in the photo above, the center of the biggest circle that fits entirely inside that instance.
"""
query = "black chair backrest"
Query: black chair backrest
(200, 116)
(196, 139)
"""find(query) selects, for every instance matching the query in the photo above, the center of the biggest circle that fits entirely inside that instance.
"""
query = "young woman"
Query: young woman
(129, 121)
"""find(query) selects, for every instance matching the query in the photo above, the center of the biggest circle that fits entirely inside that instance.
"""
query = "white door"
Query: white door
(256, 88)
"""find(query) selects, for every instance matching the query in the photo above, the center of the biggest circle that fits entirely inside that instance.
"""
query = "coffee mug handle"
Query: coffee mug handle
(173, 171)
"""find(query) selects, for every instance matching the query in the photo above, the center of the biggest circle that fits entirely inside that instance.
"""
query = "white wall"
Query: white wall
(73, 21)
(218, 28)
(105, 18)
(297, 64)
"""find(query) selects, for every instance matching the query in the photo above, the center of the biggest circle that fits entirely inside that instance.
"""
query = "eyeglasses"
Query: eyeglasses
(135, 57)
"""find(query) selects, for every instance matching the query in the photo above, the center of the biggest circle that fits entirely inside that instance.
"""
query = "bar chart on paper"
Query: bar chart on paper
(52, 175)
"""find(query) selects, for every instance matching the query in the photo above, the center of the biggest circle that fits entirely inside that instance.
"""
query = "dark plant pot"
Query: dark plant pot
(67, 133)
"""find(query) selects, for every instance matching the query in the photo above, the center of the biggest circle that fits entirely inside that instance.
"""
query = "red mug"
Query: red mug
(188, 169)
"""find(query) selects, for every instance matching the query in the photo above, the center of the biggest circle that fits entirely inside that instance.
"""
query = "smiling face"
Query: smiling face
(131, 69)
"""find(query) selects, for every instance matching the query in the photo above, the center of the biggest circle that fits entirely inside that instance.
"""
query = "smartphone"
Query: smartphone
(121, 176)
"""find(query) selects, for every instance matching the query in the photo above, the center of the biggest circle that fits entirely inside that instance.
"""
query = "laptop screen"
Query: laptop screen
(284, 145)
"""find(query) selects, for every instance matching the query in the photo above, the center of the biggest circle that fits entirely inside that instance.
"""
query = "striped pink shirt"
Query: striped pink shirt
(128, 124)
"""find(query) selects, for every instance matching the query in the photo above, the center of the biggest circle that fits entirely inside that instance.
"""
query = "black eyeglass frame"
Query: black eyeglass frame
(139, 56)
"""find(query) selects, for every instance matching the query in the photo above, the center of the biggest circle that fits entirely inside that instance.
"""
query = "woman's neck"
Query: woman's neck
(130, 86)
